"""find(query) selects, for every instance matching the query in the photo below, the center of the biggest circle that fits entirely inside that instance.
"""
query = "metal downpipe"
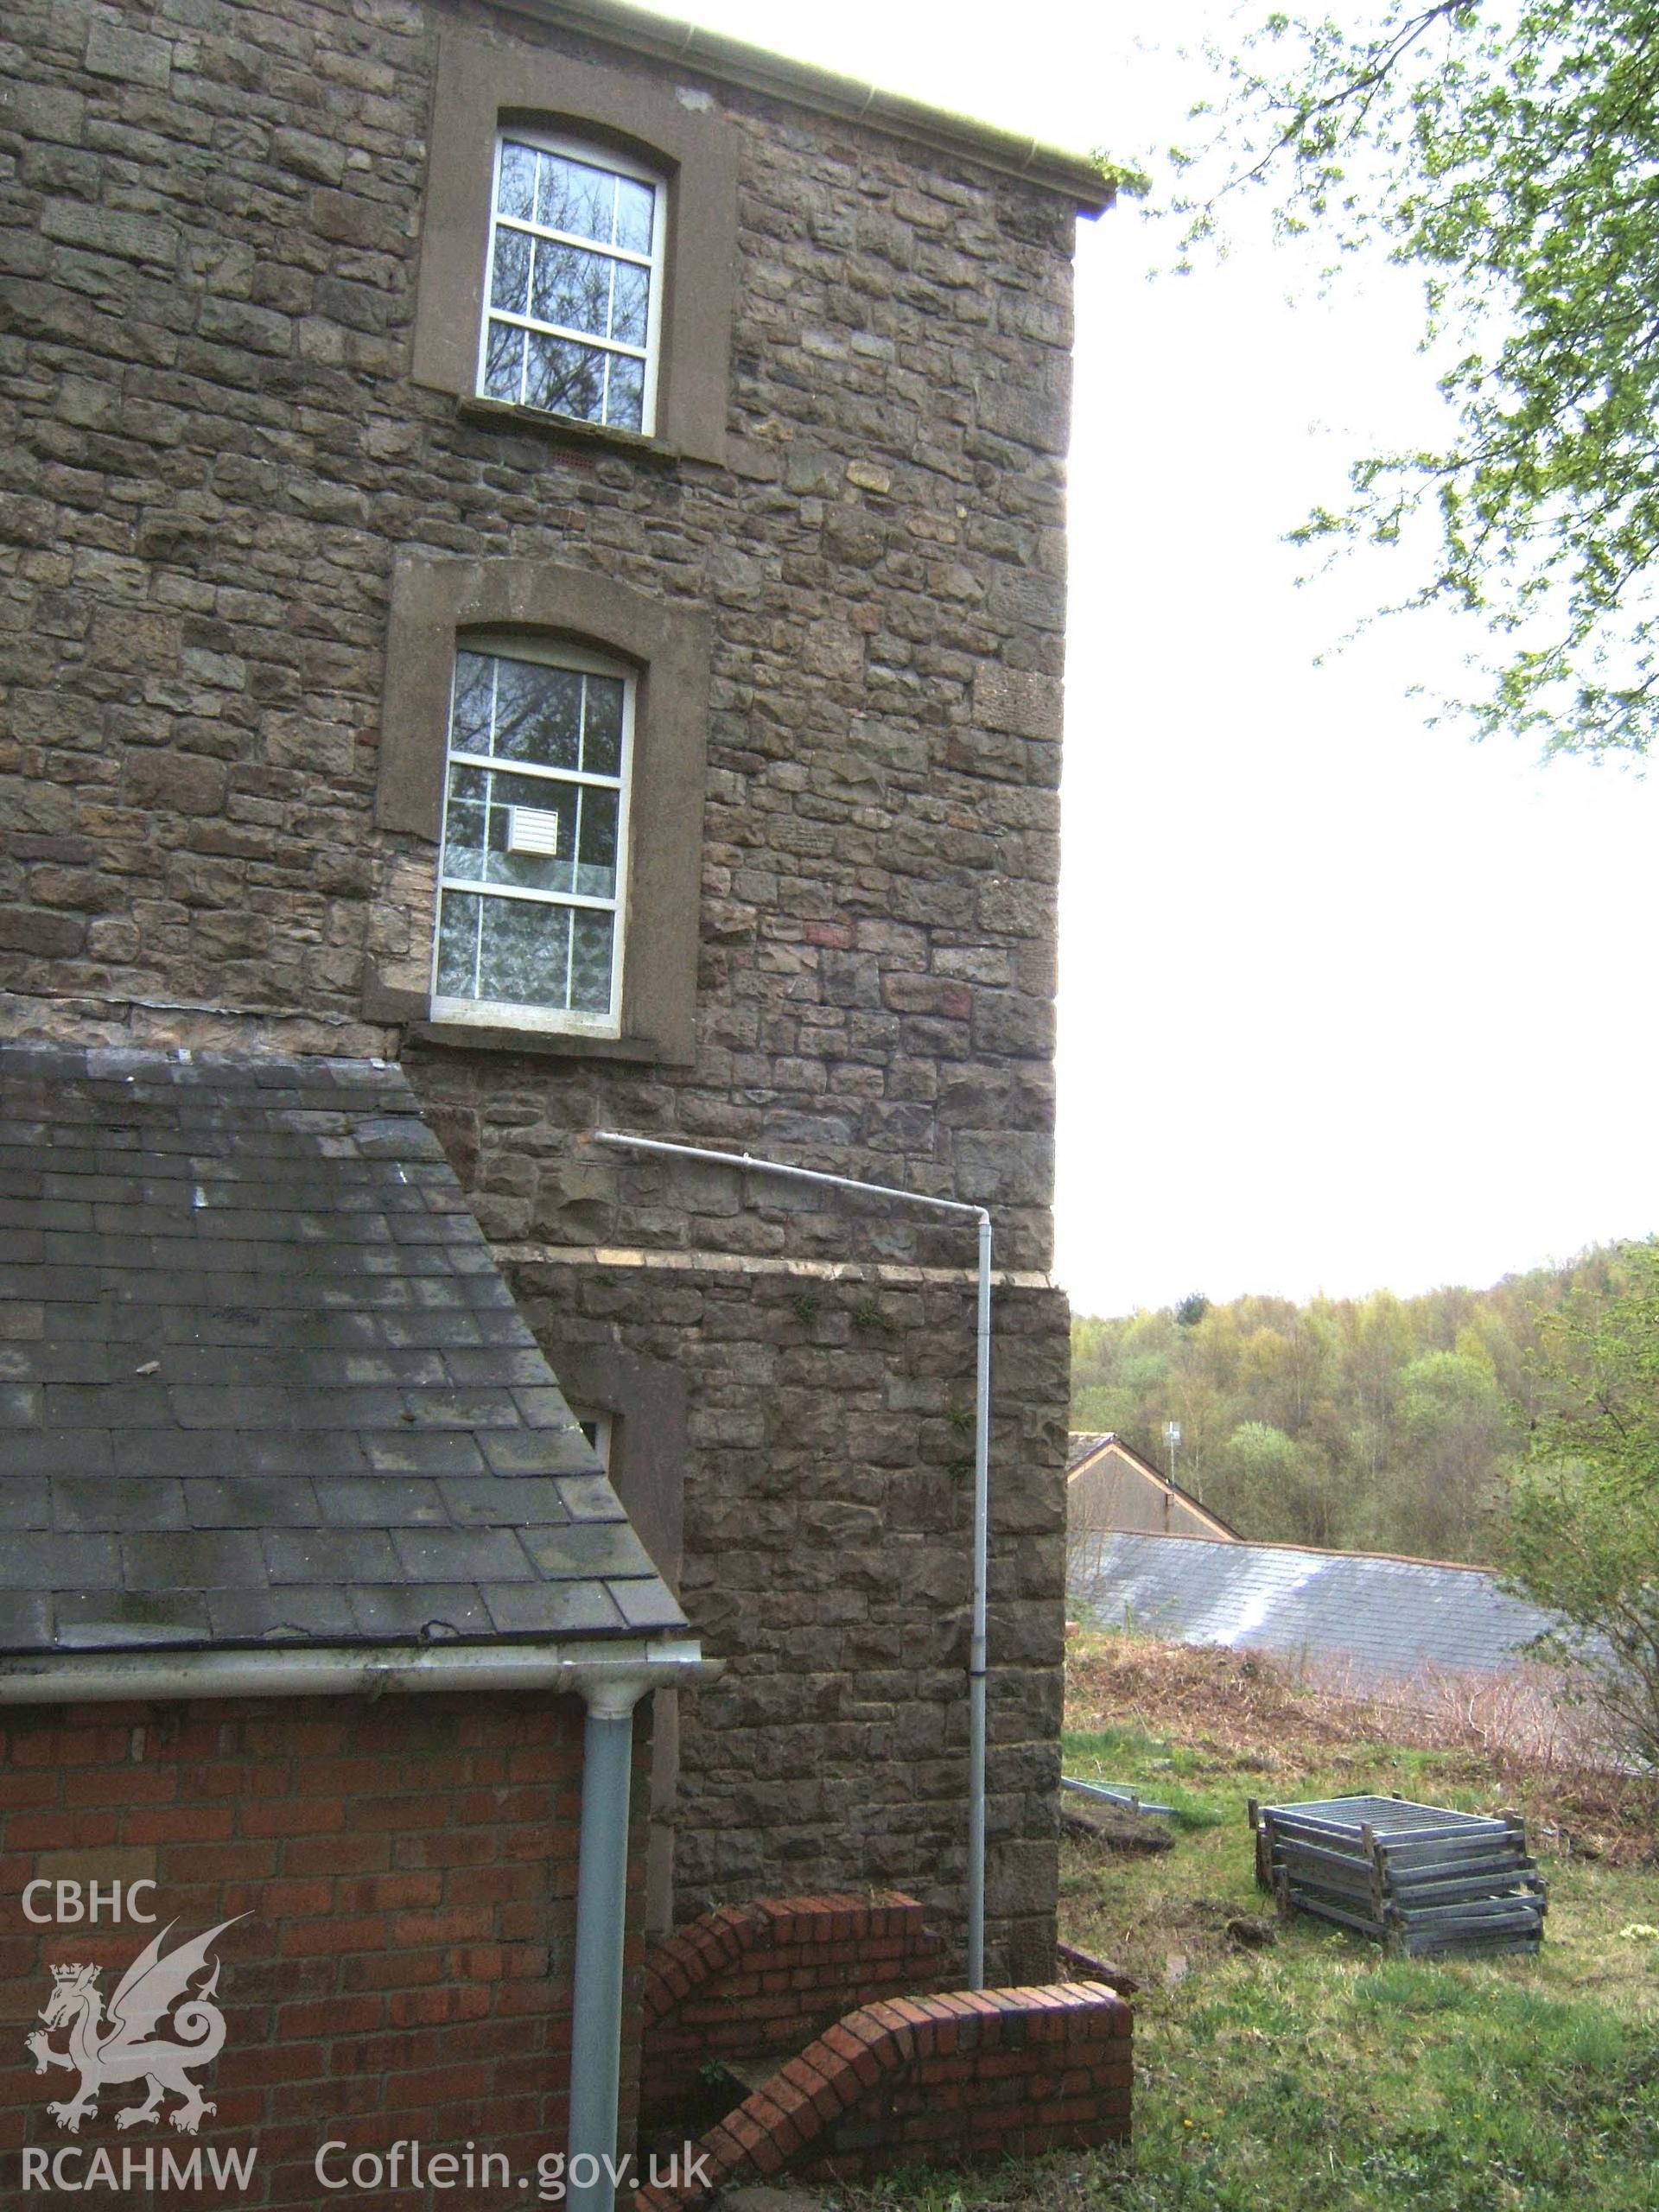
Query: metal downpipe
(601, 1910)
(977, 1652)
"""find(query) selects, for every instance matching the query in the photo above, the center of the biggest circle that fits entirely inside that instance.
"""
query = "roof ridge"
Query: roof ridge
(1316, 1551)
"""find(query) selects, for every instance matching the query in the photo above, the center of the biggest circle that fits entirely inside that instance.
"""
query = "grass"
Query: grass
(1319, 2073)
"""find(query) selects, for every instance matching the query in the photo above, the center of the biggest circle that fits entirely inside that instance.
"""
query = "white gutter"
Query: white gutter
(72, 1677)
(977, 1668)
(735, 61)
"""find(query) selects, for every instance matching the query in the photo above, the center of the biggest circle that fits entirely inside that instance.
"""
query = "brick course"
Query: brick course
(762, 1980)
(409, 1871)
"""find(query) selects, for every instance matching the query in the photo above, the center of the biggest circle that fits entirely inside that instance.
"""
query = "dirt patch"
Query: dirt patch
(1249, 1714)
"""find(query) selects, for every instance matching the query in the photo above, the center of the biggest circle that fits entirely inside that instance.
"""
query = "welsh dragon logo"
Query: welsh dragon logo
(123, 2046)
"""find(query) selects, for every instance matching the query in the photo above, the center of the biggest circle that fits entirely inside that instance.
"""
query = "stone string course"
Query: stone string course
(211, 454)
(827, 1551)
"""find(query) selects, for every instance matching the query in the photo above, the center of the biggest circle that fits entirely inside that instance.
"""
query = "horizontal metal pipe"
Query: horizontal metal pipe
(781, 1168)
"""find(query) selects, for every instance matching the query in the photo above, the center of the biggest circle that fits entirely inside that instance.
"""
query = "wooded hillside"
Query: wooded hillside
(1380, 1424)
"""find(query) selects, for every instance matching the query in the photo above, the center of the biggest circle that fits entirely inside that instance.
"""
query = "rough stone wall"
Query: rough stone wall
(211, 453)
(827, 1549)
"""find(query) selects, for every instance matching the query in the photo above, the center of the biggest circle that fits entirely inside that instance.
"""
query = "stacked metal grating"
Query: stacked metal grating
(1418, 1879)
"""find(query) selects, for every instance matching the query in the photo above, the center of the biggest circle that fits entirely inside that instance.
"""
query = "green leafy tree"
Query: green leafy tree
(1102, 1410)
(1266, 1482)
(1288, 1363)
(1510, 153)
(1380, 1341)
(1457, 1438)
(1583, 1534)
(1398, 1420)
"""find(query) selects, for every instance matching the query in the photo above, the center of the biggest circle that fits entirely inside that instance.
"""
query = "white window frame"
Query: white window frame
(598, 156)
(502, 1013)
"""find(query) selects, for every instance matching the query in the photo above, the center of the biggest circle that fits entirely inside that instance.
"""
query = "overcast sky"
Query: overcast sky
(1345, 1001)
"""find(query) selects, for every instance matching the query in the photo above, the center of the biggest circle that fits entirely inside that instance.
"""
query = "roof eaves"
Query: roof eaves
(64, 1678)
(734, 61)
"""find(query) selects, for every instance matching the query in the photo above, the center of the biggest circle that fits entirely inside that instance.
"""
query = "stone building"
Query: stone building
(534, 550)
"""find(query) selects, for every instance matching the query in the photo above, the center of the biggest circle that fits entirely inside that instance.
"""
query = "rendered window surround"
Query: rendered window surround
(487, 84)
(598, 1428)
(434, 602)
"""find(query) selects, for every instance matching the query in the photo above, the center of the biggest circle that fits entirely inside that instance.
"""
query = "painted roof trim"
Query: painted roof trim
(734, 61)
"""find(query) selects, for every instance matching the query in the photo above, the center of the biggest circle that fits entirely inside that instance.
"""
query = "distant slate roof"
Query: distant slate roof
(1384, 1619)
(261, 1382)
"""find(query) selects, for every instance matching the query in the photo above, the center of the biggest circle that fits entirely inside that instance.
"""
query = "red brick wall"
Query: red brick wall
(760, 1979)
(943, 2080)
(410, 1870)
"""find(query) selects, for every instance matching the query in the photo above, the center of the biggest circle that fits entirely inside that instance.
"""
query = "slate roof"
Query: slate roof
(261, 1382)
(1378, 1619)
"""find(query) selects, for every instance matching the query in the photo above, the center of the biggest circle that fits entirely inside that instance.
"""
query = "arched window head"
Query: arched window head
(573, 304)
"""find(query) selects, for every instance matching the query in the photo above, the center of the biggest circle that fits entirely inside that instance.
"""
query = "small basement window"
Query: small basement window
(532, 884)
(573, 304)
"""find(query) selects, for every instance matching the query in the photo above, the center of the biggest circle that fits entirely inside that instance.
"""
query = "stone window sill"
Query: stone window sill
(533, 1044)
(590, 439)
